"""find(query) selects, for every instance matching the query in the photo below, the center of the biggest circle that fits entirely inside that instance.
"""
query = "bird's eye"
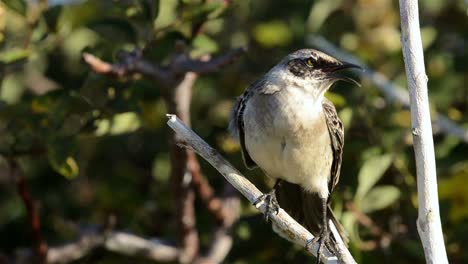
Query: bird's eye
(310, 62)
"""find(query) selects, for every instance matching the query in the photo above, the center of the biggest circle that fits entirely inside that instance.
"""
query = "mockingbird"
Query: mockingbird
(289, 129)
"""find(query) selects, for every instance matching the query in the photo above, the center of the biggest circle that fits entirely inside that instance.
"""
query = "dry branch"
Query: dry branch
(429, 225)
(40, 245)
(118, 242)
(391, 91)
(282, 220)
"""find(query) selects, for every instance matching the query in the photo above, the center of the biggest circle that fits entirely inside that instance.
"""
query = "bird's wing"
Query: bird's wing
(335, 129)
(237, 121)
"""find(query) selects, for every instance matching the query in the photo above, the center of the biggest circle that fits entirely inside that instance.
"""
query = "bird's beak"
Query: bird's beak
(334, 69)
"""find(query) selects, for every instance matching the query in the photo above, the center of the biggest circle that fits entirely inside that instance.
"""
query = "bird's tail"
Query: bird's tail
(305, 208)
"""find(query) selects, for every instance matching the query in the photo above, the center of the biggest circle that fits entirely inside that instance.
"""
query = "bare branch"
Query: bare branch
(40, 245)
(130, 63)
(183, 195)
(429, 225)
(204, 190)
(221, 241)
(282, 220)
(119, 242)
(392, 91)
(208, 66)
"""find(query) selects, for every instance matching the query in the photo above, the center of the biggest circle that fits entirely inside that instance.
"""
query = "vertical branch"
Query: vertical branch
(40, 246)
(205, 191)
(429, 225)
(179, 100)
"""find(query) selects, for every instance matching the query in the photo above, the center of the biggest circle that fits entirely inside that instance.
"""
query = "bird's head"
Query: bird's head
(313, 70)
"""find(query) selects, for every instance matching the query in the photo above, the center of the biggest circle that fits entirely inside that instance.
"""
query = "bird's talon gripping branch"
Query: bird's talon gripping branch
(271, 204)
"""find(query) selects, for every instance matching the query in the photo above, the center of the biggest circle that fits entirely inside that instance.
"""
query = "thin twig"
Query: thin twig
(428, 223)
(392, 91)
(282, 220)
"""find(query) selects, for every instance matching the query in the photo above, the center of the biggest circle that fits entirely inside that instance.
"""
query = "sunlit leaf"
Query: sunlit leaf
(378, 198)
(200, 11)
(273, 33)
(205, 44)
(371, 172)
(336, 99)
(119, 124)
(346, 115)
(59, 153)
(13, 55)
(428, 35)
(320, 11)
(18, 6)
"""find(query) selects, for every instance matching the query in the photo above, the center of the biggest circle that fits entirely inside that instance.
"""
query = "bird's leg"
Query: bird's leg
(324, 230)
(322, 238)
(270, 201)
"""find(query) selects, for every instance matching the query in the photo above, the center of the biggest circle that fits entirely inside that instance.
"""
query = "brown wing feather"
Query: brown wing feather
(335, 129)
(237, 122)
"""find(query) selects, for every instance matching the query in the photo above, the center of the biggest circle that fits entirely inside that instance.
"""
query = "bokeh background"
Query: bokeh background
(92, 147)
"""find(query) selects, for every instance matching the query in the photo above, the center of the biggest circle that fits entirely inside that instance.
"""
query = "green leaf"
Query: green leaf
(19, 6)
(115, 29)
(371, 172)
(379, 197)
(59, 152)
(14, 55)
(120, 124)
(272, 34)
(199, 12)
(205, 44)
(67, 167)
(151, 8)
(320, 11)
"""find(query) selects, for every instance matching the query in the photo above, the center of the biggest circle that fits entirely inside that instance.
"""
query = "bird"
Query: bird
(290, 130)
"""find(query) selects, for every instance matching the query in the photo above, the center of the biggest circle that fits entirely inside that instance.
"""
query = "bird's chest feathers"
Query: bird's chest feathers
(287, 136)
(292, 112)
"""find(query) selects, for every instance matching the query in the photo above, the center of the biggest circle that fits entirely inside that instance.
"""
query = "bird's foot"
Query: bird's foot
(322, 239)
(271, 204)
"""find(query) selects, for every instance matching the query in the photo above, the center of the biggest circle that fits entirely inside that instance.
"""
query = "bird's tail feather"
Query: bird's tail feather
(305, 208)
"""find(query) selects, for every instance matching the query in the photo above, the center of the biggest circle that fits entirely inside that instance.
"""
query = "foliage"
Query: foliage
(93, 146)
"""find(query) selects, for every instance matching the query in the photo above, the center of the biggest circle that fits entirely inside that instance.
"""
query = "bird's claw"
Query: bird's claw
(322, 239)
(271, 204)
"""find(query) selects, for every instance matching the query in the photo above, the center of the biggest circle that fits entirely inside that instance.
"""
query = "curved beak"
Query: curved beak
(333, 71)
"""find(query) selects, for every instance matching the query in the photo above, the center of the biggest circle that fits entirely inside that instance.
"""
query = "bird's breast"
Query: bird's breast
(287, 136)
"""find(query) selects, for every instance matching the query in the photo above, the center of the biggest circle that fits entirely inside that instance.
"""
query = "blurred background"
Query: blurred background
(92, 150)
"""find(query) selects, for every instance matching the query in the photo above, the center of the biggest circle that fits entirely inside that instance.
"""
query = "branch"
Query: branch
(129, 63)
(40, 245)
(204, 190)
(391, 91)
(429, 226)
(118, 242)
(282, 220)
(202, 66)
(132, 62)
(221, 242)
